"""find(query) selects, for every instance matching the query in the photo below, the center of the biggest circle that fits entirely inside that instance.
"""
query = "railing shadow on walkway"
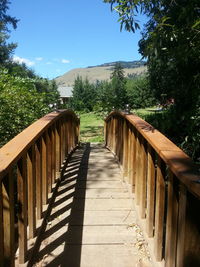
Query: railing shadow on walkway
(73, 178)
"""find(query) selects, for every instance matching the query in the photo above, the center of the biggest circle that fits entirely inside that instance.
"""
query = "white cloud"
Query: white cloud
(39, 58)
(49, 63)
(21, 60)
(65, 61)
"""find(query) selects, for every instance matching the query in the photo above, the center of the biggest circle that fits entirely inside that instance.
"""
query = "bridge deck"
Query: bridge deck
(92, 222)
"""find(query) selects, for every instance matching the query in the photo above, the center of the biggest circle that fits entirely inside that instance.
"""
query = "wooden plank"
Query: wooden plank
(31, 177)
(53, 172)
(58, 159)
(138, 162)
(150, 192)
(49, 163)
(38, 154)
(22, 202)
(125, 150)
(181, 226)
(61, 142)
(66, 137)
(1, 227)
(134, 160)
(143, 180)
(8, 219)
(159, 213)
(172, 222)
(131, 155)
(44, 170)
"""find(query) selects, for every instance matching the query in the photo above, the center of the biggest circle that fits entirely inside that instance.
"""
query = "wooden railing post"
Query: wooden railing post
(49, 158)
(22, 211)
(38, 162)
(44, 170)
(58, 159)
(31, 174)
(159, 212)
(143, 179)
(150, 192)
(8, 219)
(172, 221)
(137, 169)
(181, 226)
(125, 150)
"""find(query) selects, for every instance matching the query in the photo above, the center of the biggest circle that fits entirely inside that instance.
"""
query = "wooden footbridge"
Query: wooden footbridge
(134, 201)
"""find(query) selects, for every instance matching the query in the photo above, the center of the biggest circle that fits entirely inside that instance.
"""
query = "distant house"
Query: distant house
(65, 93)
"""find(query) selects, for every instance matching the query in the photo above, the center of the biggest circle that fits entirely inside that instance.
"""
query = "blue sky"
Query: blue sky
(54, 37)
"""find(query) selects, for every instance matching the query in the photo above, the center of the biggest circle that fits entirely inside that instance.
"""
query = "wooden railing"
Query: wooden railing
(29, 166)
(166, 187)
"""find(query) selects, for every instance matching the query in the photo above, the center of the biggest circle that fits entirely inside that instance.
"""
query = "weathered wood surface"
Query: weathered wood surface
(92, 222)
(166, 186)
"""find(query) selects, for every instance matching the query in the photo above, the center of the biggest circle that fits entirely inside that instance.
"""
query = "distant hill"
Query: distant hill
(101, 72)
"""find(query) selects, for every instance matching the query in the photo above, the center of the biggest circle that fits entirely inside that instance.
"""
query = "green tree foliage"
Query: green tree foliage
(6, 49)
(139, 93)
(118, 87)
(171, 44)
(84, 97)
(20, 105)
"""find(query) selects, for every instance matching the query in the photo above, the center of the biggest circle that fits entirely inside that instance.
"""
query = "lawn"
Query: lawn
(91, 128)
(92, 125)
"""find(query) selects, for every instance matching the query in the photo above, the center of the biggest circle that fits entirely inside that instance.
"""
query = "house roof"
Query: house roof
(65, 91)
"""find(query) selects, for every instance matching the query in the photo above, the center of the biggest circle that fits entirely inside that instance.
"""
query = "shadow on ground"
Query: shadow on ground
(64, 248)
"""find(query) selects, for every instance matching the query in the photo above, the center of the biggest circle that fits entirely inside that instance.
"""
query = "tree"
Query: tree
(20, 105)
(118, 85)
(139, 93)
(84, 95)
(171, 44)
(6, 49)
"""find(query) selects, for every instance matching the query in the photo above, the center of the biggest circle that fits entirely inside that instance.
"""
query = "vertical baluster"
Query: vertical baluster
(8, 219)
(1, 226)
(49, 157)
(130, 154)
(150, 192)
(69, 135)
(121, 148)
(61, 142)
(44, 170)
(22, 214)
(137, 169)
(58, 160)
(172, 219)
(181, 226)
(159, 214)
(125, 150)
(53, 172)
(133, 166)
(106, 133)
(38, 155)
(66, 137)
(31, 191)
(143, 179)
(114, 135)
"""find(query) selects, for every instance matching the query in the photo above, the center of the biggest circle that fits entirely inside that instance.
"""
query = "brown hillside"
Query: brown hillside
(94, 73)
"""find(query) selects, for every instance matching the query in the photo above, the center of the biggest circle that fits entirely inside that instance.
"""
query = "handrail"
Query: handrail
(29, 166)
(166, 186)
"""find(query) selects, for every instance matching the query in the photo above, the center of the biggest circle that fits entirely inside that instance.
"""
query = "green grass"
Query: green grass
(143, 112)
(91, 128)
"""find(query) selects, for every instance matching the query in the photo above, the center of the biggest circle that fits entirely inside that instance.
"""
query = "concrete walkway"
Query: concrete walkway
(91, 222)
